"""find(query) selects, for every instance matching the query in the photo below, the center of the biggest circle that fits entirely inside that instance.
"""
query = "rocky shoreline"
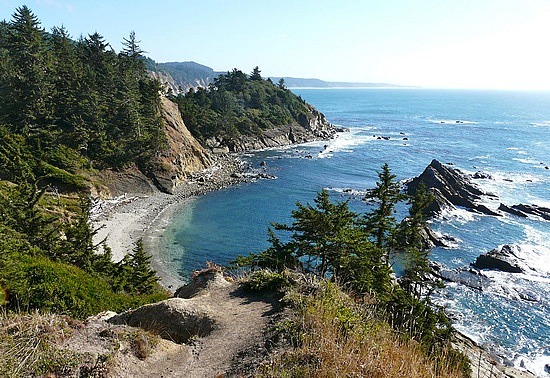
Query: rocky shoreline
(121, 222)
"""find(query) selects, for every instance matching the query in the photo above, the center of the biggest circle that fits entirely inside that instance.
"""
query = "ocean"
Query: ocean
(503, 133)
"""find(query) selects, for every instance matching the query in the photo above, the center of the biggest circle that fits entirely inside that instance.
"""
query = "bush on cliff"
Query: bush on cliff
(335, 335)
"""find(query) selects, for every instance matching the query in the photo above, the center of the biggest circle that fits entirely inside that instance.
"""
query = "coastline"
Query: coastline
(122, 221)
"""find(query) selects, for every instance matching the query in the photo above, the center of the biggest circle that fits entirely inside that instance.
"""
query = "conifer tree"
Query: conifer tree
(28, 102)
(142, 278)
(381, 222)
(416, 279)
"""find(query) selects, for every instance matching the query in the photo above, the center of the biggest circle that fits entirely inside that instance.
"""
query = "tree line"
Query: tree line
(77, 103)
(66, 108)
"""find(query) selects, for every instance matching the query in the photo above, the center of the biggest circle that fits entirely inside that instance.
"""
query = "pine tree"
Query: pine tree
(381, 222)
(256, 74)
(416, 279)
(29, 101)
(142, 278)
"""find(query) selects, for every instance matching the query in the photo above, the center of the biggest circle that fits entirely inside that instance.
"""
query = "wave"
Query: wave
(346, 142)
(348, 191)
(541, 124)
(529, 161)
(452, 121)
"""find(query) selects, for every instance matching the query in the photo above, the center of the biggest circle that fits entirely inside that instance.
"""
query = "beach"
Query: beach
(125, 219)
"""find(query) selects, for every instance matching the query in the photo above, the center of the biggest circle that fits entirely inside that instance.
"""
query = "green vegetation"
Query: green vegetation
(237, 104)
(75, 104)
(329, 241)
(65, 108)
(334, 335)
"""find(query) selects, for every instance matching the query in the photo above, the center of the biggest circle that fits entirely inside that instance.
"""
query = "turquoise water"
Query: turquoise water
(505, 134)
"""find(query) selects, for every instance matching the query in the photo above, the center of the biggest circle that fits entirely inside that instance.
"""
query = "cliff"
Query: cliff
(183, 156)
(311, 127)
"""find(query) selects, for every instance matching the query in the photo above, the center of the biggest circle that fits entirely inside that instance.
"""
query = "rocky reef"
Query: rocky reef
(450, 188)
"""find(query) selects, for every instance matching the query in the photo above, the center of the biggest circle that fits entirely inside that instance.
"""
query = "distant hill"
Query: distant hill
(181, 76)
(293, 82)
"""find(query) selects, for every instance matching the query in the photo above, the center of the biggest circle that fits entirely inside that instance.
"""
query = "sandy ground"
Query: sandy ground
(122, 221)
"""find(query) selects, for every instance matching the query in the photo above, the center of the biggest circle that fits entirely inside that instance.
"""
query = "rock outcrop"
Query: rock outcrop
(505, 258)
(173, 319)
(183, 156)
(204, 280)
(450, 188)
(311, 127)
(465, 276)
(525, 211)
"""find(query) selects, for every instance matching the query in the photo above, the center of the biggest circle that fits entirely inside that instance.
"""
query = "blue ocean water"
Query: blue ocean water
(505, 134)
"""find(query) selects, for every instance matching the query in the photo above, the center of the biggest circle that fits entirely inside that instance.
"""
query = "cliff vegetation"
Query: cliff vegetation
(242, 112)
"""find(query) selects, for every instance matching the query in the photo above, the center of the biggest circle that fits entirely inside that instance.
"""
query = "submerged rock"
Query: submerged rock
(450, 188)
(464, 276)
(504, 258)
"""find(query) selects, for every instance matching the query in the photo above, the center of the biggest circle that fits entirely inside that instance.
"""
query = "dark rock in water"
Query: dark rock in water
(429, 238)
(435, 240)
(547, 368)
(524, 211)
(450, 188)
(464, 276)
(504, 259)
(263, 163)
(482, 175)
(511, 210)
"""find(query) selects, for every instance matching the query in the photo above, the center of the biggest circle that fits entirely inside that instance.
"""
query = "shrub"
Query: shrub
(265, 279)
(39, 283)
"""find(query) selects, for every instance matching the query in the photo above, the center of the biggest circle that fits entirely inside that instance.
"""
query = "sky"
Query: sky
(485, 44)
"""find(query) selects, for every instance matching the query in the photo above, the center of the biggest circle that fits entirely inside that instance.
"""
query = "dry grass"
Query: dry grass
(337, 339)
(27, 345)
(48, 345)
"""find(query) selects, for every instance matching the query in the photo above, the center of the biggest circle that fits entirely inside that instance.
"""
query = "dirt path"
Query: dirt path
(241, 323)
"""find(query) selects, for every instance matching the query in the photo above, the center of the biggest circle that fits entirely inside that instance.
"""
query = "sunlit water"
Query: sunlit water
(505, 134)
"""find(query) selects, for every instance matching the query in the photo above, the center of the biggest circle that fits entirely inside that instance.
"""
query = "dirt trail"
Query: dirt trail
(241, 321)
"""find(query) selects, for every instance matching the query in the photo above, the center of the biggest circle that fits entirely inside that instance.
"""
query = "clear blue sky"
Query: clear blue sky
(433, 43)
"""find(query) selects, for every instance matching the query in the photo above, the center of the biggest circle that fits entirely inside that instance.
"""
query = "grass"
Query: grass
(33, 345)
(334, 336)
(27, 346)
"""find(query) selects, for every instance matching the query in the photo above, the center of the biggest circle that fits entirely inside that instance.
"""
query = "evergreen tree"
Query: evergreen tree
(381, 222)
(27, 106)
(416, 280)
(142, 279)
(256, 74)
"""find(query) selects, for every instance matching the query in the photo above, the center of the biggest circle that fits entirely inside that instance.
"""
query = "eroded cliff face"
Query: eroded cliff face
(183, 155)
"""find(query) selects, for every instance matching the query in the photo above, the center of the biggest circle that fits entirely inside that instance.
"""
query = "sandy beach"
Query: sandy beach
(122, 221)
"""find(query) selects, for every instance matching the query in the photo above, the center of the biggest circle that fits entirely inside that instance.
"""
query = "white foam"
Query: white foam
(452, 121)
(348, 191)
(527, 161)
(345, 142)
(541, 124)
(459, 215)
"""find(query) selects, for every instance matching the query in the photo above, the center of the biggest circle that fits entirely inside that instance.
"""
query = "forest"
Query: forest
(239, 104)
(68, 108)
